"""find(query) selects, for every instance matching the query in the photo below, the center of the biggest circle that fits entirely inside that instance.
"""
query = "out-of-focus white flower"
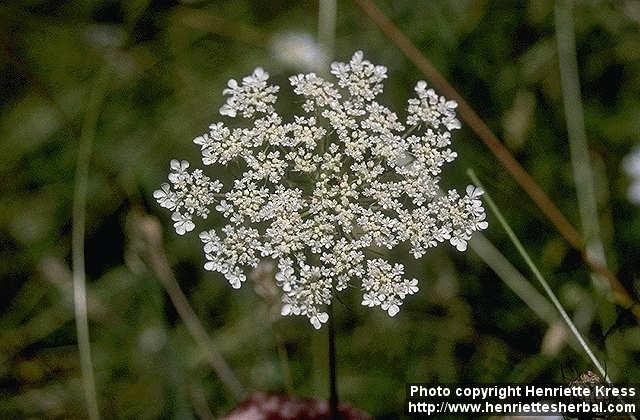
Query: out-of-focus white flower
(103, 35)
(320, 193)
(152, 339)
(298, 50)
(631, 165)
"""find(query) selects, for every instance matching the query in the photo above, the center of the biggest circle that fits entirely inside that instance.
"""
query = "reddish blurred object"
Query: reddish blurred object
(262, 406)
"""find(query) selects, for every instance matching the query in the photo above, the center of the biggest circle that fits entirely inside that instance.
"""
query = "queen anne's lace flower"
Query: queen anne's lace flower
(324, 194)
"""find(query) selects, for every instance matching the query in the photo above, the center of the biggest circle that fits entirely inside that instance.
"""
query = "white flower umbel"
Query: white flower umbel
(323, 193)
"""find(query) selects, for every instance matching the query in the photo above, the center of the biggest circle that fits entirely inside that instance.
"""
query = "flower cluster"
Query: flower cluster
(324, 194)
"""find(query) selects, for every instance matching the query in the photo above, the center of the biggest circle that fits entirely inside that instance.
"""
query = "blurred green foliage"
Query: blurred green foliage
(169, 62)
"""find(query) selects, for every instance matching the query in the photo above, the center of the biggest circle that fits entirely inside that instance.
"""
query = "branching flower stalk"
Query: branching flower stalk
(324, 193)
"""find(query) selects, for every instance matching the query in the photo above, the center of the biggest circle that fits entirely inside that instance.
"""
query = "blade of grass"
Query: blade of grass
(87, 135)
(512, 278)
(580, 160)
(497, 148)
(518, 284)
(327, 14)
(536, 272)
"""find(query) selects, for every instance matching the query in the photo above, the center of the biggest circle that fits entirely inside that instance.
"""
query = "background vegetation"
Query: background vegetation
(164, 65)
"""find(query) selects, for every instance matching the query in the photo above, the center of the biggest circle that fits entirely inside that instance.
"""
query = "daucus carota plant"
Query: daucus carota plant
(324, 193)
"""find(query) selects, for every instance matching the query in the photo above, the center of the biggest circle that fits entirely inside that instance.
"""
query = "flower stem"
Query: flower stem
(327, 15)
(333, 388)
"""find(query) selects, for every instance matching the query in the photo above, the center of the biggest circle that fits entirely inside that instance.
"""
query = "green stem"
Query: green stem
(580, 160)
(327, 26)
(87, 136)
(284, 361)
(327, 15)
(539, 277)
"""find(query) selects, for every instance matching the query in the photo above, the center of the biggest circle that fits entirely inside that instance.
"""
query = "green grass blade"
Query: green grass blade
(539, 277)
(87, 136)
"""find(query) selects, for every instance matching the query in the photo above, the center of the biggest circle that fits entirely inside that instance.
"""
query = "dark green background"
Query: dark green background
(168, 64)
